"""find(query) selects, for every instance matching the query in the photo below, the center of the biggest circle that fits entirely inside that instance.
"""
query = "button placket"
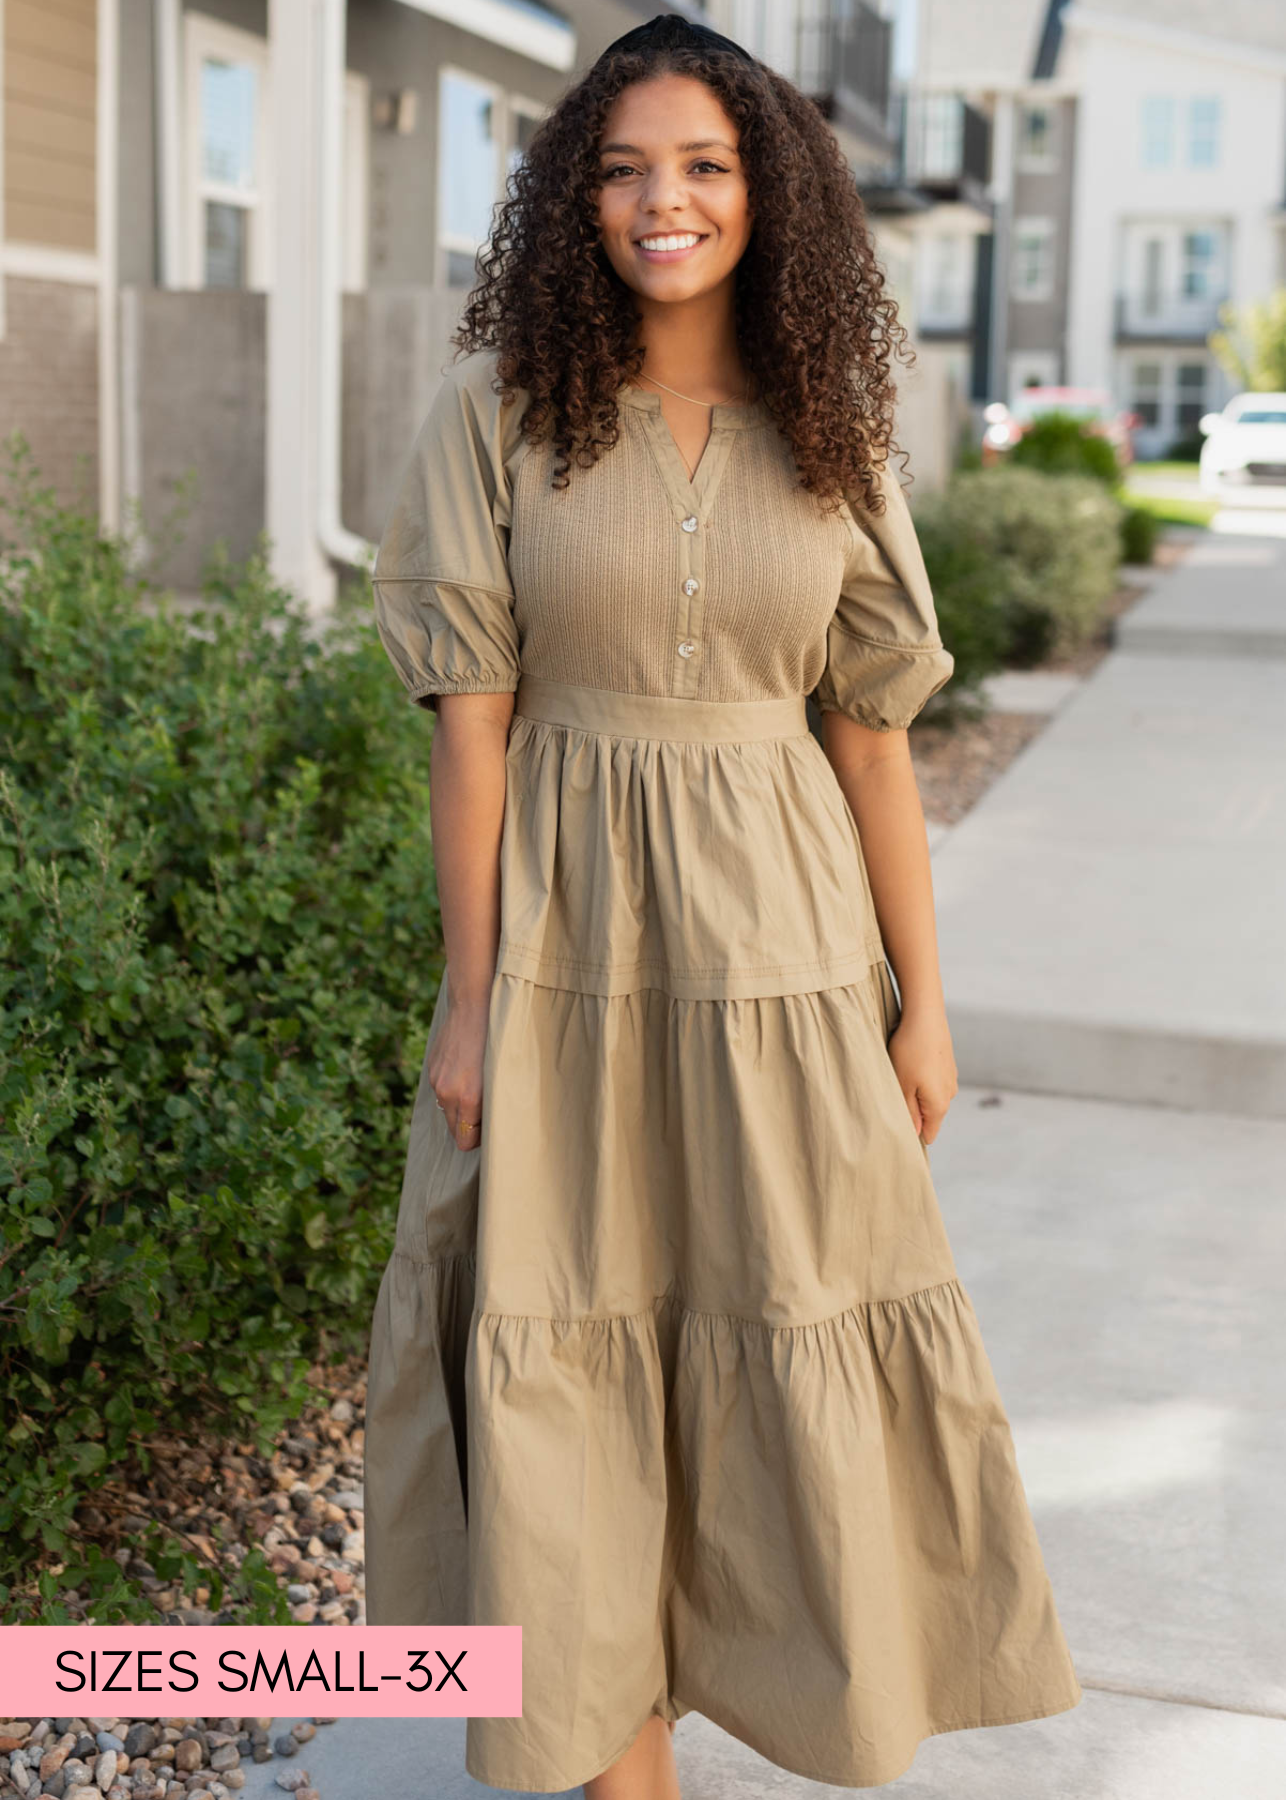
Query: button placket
(692, 498)
(688, 646)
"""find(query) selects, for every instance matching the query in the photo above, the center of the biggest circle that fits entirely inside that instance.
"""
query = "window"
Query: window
(1037, 139)
(1191, 394)
(1158, 131)
(468, 164)
(228, 175)
(948, 284)
(226, 93)
(524, 117)
(1200, 261)
(1203, 131)
(1033, 259)
(483, 135)
(1145, 395)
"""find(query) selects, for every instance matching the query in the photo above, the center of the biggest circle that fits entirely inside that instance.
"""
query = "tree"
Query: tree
(1252, 346)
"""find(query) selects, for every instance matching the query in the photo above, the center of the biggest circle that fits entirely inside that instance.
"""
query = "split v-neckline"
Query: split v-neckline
(692, 493)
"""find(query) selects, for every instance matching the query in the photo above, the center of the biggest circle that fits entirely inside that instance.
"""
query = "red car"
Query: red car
(1094, 407)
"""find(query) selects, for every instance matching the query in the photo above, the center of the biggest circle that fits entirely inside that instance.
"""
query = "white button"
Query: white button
(687, 648)
(691, 585)
(690, 524)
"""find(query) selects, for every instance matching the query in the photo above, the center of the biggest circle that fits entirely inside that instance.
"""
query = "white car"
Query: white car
(1245, 445)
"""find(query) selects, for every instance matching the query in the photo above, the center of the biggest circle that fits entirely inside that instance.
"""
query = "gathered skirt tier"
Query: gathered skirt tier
(675, 1371)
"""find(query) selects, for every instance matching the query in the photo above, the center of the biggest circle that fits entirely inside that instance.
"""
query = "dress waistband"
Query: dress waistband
(622, 714)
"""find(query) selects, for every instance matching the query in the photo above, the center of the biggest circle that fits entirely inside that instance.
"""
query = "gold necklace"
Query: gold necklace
(745, 394)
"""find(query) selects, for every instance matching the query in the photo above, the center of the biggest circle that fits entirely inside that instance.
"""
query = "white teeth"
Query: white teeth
(682, 242)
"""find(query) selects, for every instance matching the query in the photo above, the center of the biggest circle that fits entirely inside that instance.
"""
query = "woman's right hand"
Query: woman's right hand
(455, 1068)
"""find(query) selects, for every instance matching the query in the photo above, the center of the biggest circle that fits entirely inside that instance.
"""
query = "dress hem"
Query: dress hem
(894, 1770)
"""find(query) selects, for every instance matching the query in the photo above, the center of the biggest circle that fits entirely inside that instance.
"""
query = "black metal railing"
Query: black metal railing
(844, 51)
(946, 143)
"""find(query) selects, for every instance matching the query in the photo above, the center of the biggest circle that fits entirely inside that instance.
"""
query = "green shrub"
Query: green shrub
(220, 954)
(1140, 529)
(1022, 564)
(1187, 447)
(1059, 444)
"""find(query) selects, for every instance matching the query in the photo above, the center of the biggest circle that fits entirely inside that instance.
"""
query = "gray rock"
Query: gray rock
(285, 1745)
(108, 1740)
(227, 1756)
(105, 1769)
(140, 1738)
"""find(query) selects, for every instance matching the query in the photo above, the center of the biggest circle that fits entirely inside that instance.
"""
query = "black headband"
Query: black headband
(670, 31)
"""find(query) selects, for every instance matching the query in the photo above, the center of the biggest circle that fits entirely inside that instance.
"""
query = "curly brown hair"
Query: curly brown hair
(815, 325)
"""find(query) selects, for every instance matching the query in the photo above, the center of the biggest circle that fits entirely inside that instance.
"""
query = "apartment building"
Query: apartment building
(1138, 181)
(1179, 190)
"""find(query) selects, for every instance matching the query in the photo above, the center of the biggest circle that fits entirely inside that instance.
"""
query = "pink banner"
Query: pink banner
(154, 1671)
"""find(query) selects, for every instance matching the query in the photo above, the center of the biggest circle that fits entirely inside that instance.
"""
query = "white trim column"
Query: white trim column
(166, 33)
(296, 45)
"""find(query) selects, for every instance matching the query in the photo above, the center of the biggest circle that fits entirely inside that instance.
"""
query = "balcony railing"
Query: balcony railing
(844, 55)
(946, 143)
(1166, 318)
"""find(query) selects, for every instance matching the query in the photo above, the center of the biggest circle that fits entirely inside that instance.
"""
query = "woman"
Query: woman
(671, 1311)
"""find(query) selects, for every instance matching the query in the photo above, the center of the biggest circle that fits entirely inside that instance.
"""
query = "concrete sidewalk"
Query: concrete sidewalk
(1110, 912)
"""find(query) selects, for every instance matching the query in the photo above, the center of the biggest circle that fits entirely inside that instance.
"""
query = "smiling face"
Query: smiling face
(673, 208)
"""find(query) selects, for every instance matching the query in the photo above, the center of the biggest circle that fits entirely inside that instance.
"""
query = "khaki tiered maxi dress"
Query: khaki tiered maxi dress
(683, 1341)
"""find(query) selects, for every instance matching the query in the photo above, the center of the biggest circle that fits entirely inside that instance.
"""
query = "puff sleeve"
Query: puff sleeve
(444, 601)
(884, 654)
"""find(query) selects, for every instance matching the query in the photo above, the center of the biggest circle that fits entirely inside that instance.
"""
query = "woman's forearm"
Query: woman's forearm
(876, 775)
(467, 802)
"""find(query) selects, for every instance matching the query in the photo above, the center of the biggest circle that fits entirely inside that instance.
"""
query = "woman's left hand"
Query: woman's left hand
(920, 1051)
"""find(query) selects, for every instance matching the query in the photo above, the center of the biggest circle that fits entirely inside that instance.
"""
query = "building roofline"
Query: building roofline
(1091, 20)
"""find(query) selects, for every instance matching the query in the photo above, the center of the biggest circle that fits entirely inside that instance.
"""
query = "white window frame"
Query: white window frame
(945, 298)
(203, 37)
(506, 109)
(1144, 392)
(355, 249)
(1210, 132)
(1157, 115)
(454, 242)
(1043, 288)
(519, 107)
(1030, 162)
